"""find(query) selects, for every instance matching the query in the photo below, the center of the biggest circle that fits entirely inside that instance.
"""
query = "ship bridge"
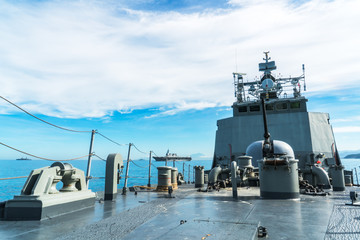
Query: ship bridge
(281, 94)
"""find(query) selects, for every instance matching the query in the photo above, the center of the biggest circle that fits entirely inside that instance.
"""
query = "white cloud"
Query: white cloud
(184, 106)
(346, 120)
(86, 59)
(347, 129)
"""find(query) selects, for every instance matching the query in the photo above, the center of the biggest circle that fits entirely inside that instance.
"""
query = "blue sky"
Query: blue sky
(158, 73)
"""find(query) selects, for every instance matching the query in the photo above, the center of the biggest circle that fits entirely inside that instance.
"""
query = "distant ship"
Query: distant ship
(172, 157)
(23, 158)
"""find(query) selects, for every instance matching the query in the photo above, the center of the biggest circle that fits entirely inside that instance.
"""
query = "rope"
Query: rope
(99, 157)
(111, 140)
(48, 159)
(138, 165)
(66, 129)
(13, 178)
(139, 150)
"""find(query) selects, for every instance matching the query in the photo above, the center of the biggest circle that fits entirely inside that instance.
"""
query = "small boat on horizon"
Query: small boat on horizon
(24, 158)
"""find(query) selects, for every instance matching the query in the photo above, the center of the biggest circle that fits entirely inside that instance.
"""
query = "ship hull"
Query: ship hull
(163, 159)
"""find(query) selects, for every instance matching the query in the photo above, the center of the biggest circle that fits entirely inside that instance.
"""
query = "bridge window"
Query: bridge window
(242, 109)
(281, 106)
(255, 108)
(269, 107)
(295, 105)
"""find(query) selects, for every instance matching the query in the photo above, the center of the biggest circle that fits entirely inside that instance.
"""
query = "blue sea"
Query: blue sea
(138, 173)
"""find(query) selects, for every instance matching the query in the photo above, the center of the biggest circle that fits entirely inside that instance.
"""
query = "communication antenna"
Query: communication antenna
(303, 68)
(239, 85)
(236, 67)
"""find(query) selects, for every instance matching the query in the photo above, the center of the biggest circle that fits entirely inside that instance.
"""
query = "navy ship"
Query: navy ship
(24, 159)
(276, 174)
(171, 157)
(308, 133)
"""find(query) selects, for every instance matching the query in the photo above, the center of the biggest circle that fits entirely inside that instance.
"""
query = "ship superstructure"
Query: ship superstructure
(308, 133)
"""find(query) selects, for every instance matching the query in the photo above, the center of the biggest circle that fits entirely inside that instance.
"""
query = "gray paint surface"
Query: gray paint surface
(150, 215)
(305, 132)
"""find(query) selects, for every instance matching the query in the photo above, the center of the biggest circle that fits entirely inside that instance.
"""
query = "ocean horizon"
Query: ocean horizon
(138, 173)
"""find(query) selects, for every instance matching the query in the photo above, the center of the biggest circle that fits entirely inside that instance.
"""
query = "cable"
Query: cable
(154, 153)
(13, 178)
(139, 150)
(138, 165)
(111, 139)
(66, 129)
(99, 157)
(48, 159)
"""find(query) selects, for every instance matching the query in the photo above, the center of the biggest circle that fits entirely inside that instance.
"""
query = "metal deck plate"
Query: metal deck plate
(208, 215)
(344, 223)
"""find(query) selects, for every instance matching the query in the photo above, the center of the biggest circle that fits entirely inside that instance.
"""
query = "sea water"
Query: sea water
(138, 173)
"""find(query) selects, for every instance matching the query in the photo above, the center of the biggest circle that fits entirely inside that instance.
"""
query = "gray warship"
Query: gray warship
(276, 174)
(309, 134)
(171, 157)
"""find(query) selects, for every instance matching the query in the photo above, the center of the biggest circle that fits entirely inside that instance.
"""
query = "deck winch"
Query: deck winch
(40, 199)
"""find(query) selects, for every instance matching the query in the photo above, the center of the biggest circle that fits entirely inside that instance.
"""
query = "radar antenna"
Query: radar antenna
(267, 58)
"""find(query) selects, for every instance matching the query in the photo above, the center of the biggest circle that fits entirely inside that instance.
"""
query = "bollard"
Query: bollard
(114, 164)
(199, 176)
(233, 179)
(164, 178)
(174, 173)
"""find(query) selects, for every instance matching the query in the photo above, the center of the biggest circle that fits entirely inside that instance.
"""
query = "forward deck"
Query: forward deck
(199, 215)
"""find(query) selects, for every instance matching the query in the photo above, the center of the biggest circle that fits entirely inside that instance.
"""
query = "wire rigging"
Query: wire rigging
(110, 139)
(70, 130)
(66, 129)
(48, 159)
(154, 153)
(138, 165)
(138, 149)
(99, 157)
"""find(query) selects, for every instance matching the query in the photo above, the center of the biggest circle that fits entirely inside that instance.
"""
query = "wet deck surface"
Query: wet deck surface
(199, 215)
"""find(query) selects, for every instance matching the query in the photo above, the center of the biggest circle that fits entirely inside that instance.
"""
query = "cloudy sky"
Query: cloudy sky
(158, 73)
